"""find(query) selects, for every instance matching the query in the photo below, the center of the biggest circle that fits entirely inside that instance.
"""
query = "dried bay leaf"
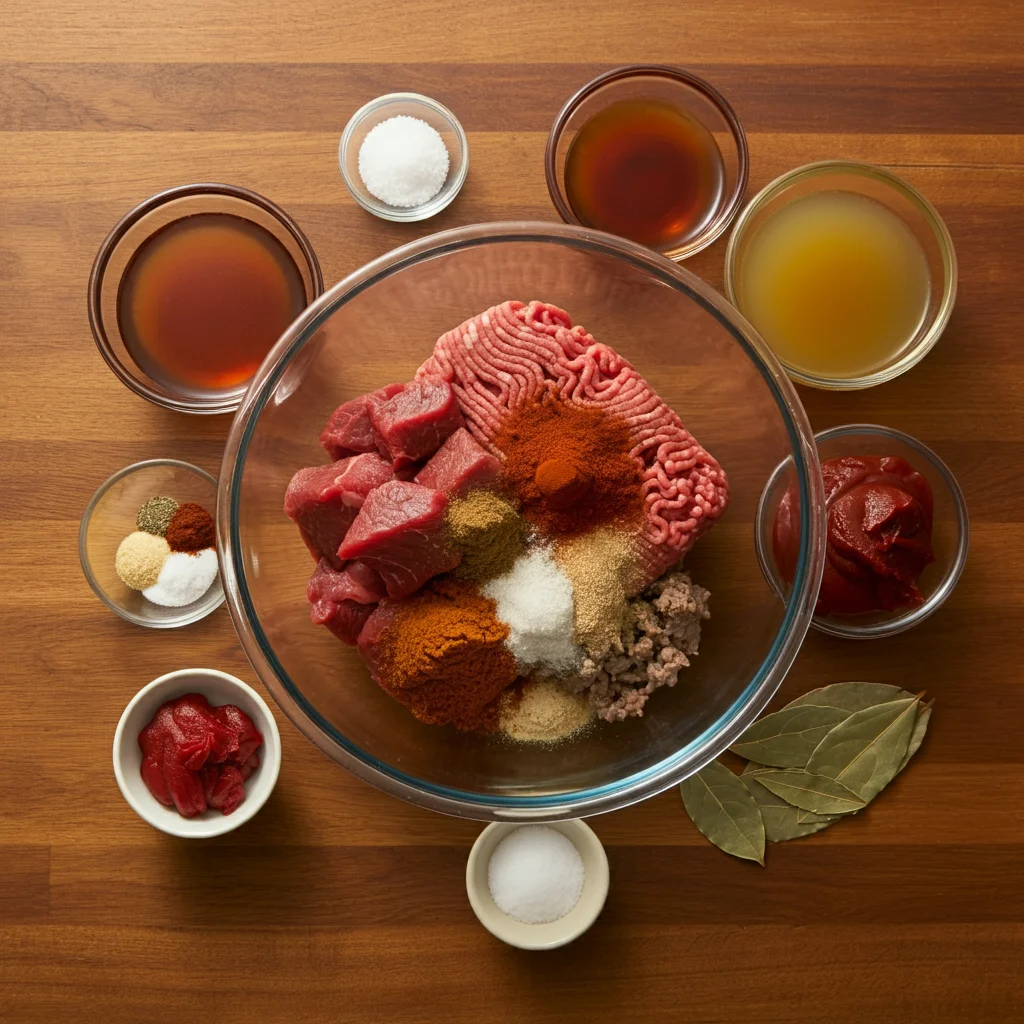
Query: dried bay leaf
(722, 808)
(810, 817)
(809, 791)
(924, 713)
(781, 819)
(851, 697)
(787, 738)
(865, 752)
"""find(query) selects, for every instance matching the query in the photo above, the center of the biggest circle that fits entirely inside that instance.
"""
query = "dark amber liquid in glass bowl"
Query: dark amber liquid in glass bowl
(204, 299)
(645, 170)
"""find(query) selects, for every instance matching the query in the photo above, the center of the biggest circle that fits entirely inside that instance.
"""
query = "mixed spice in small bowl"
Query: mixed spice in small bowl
(147, 544)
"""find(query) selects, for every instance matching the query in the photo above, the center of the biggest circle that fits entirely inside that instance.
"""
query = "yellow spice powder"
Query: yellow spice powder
(543, 712)
(599, 565)
(139, 559)
(489, 533)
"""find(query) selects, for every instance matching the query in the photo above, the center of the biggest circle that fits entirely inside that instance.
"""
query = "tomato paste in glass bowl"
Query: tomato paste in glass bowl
(897, 532)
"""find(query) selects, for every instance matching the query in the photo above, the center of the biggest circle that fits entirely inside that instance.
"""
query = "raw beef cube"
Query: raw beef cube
(356, 581)
(416, 422)
(343, 618)
(382, 617)
(459, 464)
(400, 532)
(349, 430)
(342, 599)
(324, 500)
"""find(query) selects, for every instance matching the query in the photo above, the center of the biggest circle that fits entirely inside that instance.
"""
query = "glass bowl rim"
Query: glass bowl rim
(940, 320)
(201, 610)
(403, 214)
(913, 616)
(728, 212)
(557, 806)
(101, 262)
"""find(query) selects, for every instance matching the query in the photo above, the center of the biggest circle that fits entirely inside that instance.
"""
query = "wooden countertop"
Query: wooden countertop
(338, 903)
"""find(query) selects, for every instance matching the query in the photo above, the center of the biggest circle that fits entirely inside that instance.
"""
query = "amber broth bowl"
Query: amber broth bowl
(950, 527)
(137, 227)
(680, 89)
(902, 200)
(377, 326)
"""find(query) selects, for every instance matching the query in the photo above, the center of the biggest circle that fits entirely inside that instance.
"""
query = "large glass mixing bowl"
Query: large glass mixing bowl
(376, 327)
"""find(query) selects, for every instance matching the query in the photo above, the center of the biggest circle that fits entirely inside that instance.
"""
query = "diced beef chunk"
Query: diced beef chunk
(400, 532)
(416, 422)
(458, 465)
(343, 600)
(355, 581)
(349, 430)
(324, 500)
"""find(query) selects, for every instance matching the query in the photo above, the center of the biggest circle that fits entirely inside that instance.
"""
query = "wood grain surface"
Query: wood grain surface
(340, 904)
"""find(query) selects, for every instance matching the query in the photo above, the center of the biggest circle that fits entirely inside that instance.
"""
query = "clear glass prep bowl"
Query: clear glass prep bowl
(377, 326)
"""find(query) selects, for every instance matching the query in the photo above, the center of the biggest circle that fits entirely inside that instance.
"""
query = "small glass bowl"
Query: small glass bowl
(899, 198)
(138, 226)
(110, 517)
(680, 89)
(411, 104)
(950, 529)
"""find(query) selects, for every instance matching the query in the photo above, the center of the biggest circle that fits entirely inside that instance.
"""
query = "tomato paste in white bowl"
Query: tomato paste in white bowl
(218, 688)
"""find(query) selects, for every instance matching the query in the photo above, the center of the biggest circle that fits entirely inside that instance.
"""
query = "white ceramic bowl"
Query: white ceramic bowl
(555, 933)
(218, 688)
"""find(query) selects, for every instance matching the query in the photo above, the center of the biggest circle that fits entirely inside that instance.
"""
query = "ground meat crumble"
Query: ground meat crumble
(660, 633)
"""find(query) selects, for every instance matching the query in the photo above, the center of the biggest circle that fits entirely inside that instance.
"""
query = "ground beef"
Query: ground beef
(660, 634)
(514, 352)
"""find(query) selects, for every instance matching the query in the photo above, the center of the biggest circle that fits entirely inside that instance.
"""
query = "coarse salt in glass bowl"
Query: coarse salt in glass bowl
(407, 104)
(376, 327)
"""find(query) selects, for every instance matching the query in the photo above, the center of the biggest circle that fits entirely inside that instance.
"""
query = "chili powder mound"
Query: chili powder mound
(570, 466)
(442, 654)
(191, 528)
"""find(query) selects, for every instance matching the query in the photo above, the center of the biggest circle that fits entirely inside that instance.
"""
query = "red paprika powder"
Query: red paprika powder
(570, 466)
(191, 528)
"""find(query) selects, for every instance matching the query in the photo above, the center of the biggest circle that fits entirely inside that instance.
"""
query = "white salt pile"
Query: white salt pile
(535, 874)
(403, 161)
(184, 578)
(535, 601)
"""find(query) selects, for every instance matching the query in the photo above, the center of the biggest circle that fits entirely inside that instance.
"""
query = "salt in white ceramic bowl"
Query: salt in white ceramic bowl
(218, 688)
(555, 933)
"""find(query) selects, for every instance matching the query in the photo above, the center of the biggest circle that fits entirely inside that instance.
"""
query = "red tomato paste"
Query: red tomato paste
(195, 756)
(879, 535)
